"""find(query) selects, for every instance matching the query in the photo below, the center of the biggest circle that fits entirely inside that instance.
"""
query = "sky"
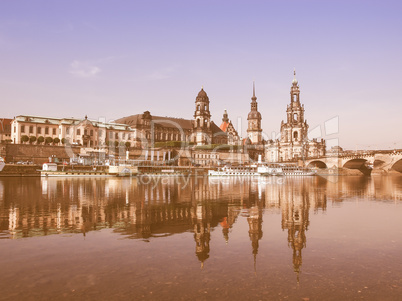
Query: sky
(110, 59)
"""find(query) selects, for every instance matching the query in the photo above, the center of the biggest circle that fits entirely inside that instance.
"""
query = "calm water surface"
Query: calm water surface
(201, 239)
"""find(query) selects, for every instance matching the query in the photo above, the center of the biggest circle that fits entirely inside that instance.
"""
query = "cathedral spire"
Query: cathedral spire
(253, 98)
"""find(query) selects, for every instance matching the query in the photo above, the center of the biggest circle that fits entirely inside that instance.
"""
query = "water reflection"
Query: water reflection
(148, 208)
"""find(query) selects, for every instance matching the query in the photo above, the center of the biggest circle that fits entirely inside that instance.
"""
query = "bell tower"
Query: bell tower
(202, 119)
(254, 121)
(295, 129)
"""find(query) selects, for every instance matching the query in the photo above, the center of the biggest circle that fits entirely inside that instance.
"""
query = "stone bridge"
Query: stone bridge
(381, 161)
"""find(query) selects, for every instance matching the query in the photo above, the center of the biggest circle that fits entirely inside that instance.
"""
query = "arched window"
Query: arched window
(198, 107)
(295, 116)
(295, 135)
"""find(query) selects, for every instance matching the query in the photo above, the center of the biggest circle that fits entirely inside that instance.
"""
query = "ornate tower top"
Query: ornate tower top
(294, 82)
(225, 117)
(202, 96)
(254, 114)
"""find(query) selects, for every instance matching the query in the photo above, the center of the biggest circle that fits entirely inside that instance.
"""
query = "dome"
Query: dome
(202, 96)
(294, 81)
(254, 115)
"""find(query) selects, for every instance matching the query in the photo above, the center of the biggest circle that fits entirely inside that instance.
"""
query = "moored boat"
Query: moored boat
(298, 171)
(50, 170)
(234, 171)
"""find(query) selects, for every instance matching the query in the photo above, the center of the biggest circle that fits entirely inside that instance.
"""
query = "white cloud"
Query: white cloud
(84, 69)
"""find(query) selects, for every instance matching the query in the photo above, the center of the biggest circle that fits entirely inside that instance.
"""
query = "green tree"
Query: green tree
(48, 140)
(40, 140)
(63, 140)
(128, 144)
(56, 140)
(24, 138)
(116, 143)
(32, 139)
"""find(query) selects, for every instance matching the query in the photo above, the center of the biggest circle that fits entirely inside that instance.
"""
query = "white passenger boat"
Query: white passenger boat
(50, 170)
(2, 163)
(234, 171)
(265, 170)
(298, 171)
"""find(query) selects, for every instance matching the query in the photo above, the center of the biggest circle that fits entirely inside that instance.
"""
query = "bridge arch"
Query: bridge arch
(317, 164)
(356, 163)
(397, 166)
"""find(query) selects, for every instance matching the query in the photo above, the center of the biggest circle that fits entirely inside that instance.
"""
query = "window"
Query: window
(78, 132)
(22, 128)
(294, 97)
(54, 131)
(116, 136)
(67, 131)
(31, 129)
(110, 135)
(85, 132)
(92, 132)
(198, 107)
(39, 130)
(295, 134)
(46, 131)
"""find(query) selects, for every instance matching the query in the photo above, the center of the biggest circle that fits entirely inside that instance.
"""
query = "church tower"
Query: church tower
(254, 121)
(295, 129)
(202, 120)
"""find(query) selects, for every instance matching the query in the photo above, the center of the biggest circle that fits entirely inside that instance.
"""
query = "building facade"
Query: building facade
(229, 129)
(58, 131)
(199, 131)
(5, 130)
(294, 143)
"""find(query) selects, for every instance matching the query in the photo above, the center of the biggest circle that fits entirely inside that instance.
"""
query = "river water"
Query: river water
(200, 238)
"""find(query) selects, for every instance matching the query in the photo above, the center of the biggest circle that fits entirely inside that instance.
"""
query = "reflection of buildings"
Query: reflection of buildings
(159, 207)
(295, 219)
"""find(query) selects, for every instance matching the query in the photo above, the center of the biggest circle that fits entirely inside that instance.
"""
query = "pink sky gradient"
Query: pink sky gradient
(116, 58)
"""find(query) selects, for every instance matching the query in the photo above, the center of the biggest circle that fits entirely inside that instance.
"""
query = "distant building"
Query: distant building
(294, 143)
(199, 131)
(5, 130)
(85, 132)
(228, 128)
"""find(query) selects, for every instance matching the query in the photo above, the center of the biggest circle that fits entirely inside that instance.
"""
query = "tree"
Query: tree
(24, 138)
(56, 140)
(63, 140)
(116, 143)
(32, 139)
(128, 144)
(40, 140)
(48, 140)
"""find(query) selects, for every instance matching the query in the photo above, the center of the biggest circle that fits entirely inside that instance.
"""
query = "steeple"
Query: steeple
(254, 99)
(254, 120)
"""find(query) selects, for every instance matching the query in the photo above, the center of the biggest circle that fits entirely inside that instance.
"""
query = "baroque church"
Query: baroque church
(294, 143)
(198, 131)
